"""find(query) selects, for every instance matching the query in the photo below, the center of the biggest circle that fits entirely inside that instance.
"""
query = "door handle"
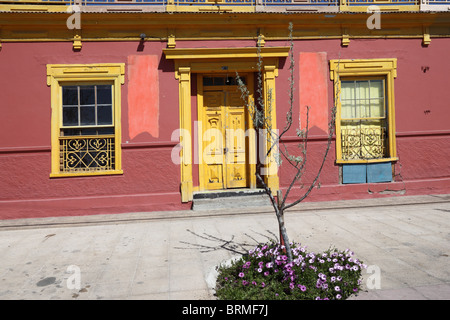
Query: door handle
(225, 150)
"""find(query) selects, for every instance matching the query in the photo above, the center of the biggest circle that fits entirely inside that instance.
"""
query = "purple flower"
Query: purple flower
(263, 284)
(337, 288)
(302, 287)
(244, 282)
(338, 296)
(291, 285)
(241, 274)
(266, 273)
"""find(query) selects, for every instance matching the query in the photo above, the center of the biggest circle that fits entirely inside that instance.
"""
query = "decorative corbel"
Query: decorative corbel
(171, 43)
(77, 42)
(261, 38)
(345, 40)
(426, 37)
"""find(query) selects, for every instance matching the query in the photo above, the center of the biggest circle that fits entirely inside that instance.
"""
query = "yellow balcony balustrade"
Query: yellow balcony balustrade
(88, 5)
(211, 5)
(298, 5)
(435, 5)
(242, 5)
(189, 5)
(381, 5)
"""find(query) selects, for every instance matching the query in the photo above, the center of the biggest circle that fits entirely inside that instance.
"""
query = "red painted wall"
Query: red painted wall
(422, 113)
(151, 181)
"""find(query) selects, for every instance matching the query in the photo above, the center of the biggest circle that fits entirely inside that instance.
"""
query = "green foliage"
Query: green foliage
(265, 274)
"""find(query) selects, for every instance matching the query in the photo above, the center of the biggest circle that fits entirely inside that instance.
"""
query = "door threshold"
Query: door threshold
(224, 193)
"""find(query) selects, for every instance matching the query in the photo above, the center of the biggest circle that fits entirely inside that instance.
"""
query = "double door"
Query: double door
(225, 144)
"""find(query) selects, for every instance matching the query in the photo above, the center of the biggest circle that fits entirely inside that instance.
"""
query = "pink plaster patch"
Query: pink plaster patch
(143, 95)
(314, 90)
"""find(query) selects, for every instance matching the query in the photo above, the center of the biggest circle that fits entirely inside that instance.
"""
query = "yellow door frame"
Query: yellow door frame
(212, 60)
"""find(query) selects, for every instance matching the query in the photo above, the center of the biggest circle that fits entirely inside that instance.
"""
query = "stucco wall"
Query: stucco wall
(151, 181)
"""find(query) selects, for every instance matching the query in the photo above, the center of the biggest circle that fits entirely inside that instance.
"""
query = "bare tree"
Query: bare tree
(278, 149)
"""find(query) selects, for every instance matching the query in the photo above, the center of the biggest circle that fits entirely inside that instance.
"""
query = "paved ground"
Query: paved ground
(172, 255)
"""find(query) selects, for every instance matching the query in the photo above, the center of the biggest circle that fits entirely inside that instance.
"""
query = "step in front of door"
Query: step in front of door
(229, 200)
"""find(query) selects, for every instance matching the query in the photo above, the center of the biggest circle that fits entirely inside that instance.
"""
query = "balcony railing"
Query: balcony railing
(435, 5)
(383, 5)
(251, 5)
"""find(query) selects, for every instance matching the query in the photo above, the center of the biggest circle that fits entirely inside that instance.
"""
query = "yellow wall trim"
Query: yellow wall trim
(229, 53)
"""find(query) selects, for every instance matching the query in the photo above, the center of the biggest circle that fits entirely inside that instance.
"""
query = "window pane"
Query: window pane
(208, 81)
(88, 132)
(70, 132)
(105, 130)
(377, 98)
(104, 115)
(87, 95)
(362, 96)
(376, 89)
(70, 116)
(104, 94)
(219, 81)
(87, 116)
(377, 108)
(70, 95)
(348, 107)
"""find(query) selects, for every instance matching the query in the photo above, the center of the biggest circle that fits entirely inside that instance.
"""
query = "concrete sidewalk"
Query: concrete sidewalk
(172, 255)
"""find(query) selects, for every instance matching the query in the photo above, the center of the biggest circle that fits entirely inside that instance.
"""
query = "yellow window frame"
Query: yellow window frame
(363, 69)
(59, 75)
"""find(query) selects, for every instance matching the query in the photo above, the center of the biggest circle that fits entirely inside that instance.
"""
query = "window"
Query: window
(365, 118)
(86, 131)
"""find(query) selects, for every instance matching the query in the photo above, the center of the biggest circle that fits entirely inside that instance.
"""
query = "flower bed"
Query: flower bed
(265, 274)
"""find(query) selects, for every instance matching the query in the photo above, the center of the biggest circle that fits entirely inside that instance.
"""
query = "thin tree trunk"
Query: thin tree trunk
(284, 239)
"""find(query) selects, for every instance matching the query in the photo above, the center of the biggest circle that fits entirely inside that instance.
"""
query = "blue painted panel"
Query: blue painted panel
(379, 172)
(354, 173)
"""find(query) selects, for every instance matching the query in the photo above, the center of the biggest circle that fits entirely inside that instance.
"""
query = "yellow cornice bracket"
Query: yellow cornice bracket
(426, 37)
(345, 40)
(171, 43)
(261, 39)
(77, 43)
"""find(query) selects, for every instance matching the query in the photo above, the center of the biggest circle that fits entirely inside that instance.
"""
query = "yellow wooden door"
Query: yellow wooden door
(224, 141)
(235, 155)
(213, 140)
